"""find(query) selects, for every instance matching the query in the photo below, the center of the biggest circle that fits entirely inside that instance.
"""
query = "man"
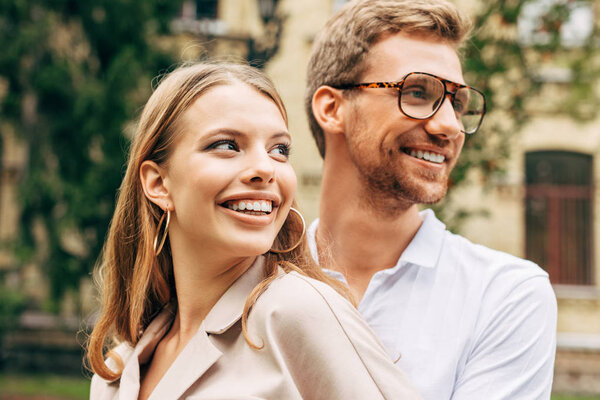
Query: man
(389, 110)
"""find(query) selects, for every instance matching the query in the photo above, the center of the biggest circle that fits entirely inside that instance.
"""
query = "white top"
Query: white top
(468, 322)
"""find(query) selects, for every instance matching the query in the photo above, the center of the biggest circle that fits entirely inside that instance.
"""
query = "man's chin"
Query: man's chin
(424, 194)
(403, 191)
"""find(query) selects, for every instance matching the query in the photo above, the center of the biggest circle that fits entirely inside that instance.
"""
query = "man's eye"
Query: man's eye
(416, 93)
(224, 145)
(459, 106)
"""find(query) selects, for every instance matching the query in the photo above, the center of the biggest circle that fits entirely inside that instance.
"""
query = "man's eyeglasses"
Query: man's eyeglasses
(420, 96)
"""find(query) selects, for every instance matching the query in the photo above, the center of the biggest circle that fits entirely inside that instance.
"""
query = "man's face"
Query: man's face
(387, 147)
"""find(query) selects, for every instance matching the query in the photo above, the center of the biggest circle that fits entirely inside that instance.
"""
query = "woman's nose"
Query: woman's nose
(260, 168)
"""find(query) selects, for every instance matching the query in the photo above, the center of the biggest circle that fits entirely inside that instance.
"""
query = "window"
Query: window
(200, 9)
(558, 212)
(199, 17)
(207, 9)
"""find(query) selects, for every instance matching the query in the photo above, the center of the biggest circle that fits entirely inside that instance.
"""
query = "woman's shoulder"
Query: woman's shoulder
(294, 290)
(297, 301)
(324, 341)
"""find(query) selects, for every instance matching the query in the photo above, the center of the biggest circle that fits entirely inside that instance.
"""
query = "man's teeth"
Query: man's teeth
(426, 155)
(263, 206)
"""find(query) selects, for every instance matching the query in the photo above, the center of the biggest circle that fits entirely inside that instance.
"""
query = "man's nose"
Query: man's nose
(444, 123)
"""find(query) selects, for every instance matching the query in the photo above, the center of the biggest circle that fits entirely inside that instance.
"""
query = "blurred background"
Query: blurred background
(74, 75)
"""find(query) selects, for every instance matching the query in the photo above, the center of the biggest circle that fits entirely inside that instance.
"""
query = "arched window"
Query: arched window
(558, 212)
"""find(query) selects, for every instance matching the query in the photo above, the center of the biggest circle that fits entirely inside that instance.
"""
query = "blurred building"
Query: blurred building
(543, 209)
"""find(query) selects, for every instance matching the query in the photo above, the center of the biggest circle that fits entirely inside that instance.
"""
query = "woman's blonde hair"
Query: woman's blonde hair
(135, 284)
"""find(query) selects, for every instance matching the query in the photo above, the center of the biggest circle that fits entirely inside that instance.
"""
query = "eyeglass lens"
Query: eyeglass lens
(421, 96)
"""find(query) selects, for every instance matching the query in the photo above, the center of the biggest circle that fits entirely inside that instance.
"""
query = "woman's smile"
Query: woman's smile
(252, 207)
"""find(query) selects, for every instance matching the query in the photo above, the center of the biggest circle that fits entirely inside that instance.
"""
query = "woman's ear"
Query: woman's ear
(153, 183)
(327, 106)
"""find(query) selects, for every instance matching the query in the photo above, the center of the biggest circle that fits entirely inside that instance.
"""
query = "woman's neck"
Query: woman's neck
(202, 275)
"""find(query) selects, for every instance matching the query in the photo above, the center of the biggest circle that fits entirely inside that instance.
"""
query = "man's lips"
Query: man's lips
(430, 154)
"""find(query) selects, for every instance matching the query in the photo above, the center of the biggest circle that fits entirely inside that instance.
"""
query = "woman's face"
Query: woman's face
(228, 177)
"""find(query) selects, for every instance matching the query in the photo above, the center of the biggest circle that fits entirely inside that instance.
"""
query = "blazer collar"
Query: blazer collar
(228, 310)
(199, 352)
(129, 384)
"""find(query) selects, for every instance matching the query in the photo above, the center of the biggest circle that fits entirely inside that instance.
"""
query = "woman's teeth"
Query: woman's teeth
(253, 207)
(426, 155)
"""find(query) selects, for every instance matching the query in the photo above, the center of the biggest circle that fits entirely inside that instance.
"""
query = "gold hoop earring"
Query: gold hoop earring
(167, 214)
(301, 236)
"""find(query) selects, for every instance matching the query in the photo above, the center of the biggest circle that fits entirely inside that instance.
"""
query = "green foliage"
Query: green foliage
(77, 72)
(508, 72)
(11, 304)
(50, 386)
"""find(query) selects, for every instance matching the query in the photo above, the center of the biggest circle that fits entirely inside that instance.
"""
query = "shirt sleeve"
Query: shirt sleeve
(513, 354)
(325, 345)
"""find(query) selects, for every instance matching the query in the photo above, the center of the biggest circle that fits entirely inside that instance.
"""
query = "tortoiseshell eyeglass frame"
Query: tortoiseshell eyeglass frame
(398, 85)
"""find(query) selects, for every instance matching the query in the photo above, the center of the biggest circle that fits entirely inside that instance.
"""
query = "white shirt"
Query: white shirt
(468, 322)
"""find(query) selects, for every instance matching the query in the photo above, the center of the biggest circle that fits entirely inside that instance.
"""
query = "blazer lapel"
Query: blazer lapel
(195, 359)
(200, 354)
(129, 385)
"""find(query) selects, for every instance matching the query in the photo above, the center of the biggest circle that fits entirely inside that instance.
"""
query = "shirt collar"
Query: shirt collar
(311, 238)
(228, 310)
(424, 250)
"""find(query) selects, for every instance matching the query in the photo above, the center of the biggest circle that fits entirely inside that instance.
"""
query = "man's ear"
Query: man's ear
(327, 106)
(153, 183)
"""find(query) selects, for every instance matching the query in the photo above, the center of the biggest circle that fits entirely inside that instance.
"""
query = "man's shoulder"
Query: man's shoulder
(494, 274)
(479, 252)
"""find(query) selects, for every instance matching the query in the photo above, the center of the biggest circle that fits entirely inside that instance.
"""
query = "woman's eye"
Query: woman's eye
(224, 145)
(281, 150)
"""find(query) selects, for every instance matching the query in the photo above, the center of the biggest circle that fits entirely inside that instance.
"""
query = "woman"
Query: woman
(206, 281)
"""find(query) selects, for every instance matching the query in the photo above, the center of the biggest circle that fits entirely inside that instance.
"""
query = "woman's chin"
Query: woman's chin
(251, 249)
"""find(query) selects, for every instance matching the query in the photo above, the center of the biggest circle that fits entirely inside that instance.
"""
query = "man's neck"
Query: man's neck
(357, 240)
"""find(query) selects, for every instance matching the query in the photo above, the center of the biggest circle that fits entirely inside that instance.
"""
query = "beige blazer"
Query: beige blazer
(316, 346)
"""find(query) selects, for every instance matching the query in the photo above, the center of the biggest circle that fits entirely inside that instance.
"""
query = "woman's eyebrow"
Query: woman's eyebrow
(227, 131)
(282, 134)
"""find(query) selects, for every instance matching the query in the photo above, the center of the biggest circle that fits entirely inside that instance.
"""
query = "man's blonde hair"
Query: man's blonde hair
(341, 48)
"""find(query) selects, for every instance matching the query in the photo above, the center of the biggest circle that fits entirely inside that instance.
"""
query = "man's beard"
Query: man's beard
(387, 190)
(382, 181)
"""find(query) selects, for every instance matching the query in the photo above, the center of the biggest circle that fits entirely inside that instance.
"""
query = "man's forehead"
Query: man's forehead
(396, 54)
